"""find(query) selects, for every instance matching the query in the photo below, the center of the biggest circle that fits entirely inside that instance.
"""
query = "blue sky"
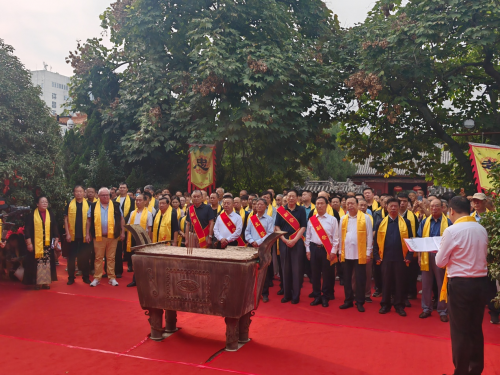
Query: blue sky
(46, 30)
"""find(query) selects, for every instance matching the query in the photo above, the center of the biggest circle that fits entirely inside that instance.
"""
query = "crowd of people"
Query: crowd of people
(354, 239)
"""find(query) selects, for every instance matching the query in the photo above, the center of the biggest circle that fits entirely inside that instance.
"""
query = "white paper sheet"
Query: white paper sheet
(420, 245)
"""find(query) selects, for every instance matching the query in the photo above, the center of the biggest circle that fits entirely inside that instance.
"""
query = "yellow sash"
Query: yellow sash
(72, 217)
(474, 213)
(143, 223)
(269, 211)
(443, 296)
(111, 221)
(182, 226)
(39, 229)
(241, 213)
(424, 258)
(126, 205)
(151, 204)
(382, 231)
(341, 212)
(165, 228)
(375, 205)
(274, 203)
(361, 229)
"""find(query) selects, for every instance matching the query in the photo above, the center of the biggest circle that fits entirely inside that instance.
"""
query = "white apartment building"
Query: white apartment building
(54, 89)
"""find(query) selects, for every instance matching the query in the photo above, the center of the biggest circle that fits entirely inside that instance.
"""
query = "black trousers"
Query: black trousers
(292, 267)
(377, 276)
(394, 280)
(79, 251)
(320, 266)
(466, 303)
(349, 266)
(120, 248)
(412, 275)
(307, 267)
(268, 280)
(278, 260)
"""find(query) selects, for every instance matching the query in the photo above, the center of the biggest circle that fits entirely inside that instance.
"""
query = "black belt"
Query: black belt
(315, 244)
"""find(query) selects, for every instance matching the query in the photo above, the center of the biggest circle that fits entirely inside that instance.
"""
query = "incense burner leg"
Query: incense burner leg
(155, 320)
(232, 334)
(170, 321)
(244, 326)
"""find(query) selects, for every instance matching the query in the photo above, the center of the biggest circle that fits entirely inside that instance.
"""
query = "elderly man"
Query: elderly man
(259, 227)
(279, 200)
(166, 222)
(432, 226)
(215, 205)
(321, 249)
(228, 226)
(479, 205)
(220, 194)
(105, 225)
(153, 203)
(356, 245)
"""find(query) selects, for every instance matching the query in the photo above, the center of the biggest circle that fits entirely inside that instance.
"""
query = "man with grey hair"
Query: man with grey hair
(153, 203)
(105, 225)
(220, 194)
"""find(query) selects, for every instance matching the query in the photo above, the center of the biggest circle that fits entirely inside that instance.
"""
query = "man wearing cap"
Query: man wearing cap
(479, 205)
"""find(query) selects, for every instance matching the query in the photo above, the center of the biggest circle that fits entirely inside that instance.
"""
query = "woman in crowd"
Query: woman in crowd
(40, 232)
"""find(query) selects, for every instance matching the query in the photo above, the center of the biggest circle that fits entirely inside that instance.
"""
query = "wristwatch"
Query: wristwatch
(210, 236)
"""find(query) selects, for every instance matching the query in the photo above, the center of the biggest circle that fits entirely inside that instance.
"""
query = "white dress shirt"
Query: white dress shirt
(221, 232)
(331, 227)
(463, 250)
(138, 218)
(351, 237)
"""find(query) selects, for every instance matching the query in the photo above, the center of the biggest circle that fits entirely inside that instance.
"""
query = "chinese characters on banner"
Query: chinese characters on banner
(484, 157)
(201, 167)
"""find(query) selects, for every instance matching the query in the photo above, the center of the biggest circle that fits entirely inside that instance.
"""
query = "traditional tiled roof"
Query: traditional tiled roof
(332, 186)
(366, 170)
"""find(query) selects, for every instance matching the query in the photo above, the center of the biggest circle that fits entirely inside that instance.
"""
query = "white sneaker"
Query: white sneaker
(113, 282)
(94, 282)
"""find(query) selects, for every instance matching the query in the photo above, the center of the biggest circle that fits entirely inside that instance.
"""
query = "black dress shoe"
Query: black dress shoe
(346, 305)
(384, 310)
(105, 276)
(280, 292)
(424, 315)
(317, 301)
(45, 286)
(377, 294)
(285, 300)
(401, 311)
(368, 299)
(324, 302)
(360, 307)
(412, 296)
(444, 318)
(129, 269)
(311, 295)
(407, 303)
(265, 298)
(86, 281)
(119, 276)
(295, 301)
(70, 282)
(131, 284)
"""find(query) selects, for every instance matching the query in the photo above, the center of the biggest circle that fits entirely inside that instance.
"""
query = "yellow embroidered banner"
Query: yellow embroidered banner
(484, 157)
(201, 167)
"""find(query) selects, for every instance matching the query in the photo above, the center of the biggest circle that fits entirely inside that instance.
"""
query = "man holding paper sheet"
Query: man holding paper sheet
(463, 252)
(432, 226)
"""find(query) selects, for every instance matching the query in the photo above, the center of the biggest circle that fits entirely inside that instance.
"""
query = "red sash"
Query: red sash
(258, 226)
(320, 231)
(231, 226)
(200, 232)
(288, 217)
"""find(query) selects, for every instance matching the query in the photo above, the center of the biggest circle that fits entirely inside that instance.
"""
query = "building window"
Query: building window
(54, 96)
(54, 105)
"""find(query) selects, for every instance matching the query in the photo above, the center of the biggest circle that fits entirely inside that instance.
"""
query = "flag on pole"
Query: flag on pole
(201, 167)
(484, 157)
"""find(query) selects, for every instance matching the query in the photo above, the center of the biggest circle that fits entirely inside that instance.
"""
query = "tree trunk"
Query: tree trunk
(463, 160)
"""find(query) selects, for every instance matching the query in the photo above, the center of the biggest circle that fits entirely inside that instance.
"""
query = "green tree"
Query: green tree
(247, 76)
(30, 139)
(418, 70)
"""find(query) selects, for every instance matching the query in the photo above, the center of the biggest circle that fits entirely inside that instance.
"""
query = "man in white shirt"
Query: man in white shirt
(320, 251)
(222, 233)
(463, 251)
(356, 248)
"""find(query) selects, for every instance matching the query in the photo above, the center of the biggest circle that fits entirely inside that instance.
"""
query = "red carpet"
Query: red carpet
(81, 330)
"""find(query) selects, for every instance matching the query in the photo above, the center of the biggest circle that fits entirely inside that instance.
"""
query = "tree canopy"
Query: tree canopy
(30, 139)
(250, 77)
(418, 71)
